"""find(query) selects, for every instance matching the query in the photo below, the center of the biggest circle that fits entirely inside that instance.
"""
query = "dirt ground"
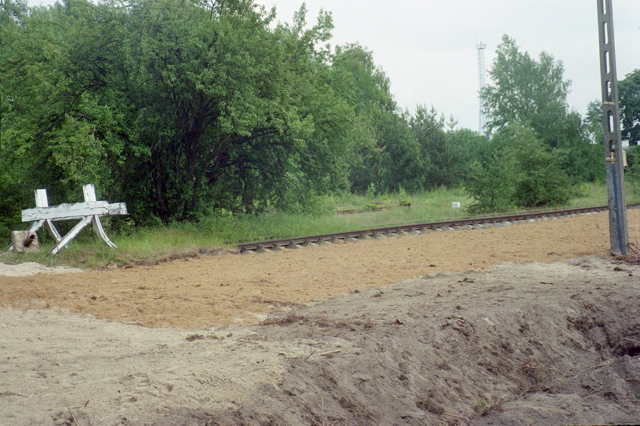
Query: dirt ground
(531, 323)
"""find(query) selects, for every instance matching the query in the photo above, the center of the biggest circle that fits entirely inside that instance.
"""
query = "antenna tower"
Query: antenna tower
(480, 46)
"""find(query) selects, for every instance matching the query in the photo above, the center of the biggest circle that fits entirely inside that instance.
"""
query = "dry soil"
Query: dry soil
(531, 323)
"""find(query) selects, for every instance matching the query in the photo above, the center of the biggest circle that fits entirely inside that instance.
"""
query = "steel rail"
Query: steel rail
(413, 228)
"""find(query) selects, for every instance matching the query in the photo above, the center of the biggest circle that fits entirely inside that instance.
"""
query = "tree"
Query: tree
(583, 159)
(402, 165)
(526, 92)
(540, 180)
(235, 115)
(521, 172)
(446, 153)
(204, 108)
(592, 125)
(629, 96)
(489, 184)
(58, 129)
(385, 154)
(533, 93)
(175, 107)
(12, 12)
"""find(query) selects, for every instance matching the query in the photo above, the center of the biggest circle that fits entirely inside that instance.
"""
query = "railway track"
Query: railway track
(415, 229)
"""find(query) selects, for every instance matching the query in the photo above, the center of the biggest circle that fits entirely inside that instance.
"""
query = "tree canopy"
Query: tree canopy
(629, 96)
(177, 107)
(183, 108)
(526, 92)
(532, 94)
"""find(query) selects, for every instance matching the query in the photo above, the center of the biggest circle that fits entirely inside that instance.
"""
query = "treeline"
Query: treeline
(540, 149)
(183, 108)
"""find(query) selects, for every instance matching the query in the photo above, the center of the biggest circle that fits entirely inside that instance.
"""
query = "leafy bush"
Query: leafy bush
(490, 185)
(371, 207)
(632, 173)
(522, 172)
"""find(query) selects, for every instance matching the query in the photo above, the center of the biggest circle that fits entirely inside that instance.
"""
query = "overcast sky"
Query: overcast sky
(427, 48)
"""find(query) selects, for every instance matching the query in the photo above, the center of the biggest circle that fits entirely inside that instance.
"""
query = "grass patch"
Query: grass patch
(149, 245)
(592, 195)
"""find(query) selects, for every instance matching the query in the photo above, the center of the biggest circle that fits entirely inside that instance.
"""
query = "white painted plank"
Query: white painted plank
(74, 211)
(99, 230)
(65, 211)
(41, 198)
(89, 192)
(117, 209)
(71, 235)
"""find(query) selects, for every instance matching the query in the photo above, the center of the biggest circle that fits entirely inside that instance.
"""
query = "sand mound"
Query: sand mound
(31, 268)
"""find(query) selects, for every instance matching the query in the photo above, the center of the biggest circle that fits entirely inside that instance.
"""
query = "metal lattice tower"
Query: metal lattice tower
(480, 46)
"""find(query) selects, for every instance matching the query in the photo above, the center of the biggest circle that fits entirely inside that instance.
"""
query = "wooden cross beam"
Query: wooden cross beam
(72, 211)
(88, 212)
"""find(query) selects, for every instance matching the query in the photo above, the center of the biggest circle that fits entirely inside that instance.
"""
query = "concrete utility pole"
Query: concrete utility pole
(614, 154)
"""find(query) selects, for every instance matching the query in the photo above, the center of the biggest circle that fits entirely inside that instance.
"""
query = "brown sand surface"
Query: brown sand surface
(241, 289)
(531, 323)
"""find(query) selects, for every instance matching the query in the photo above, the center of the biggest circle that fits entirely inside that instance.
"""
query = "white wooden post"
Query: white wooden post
(90, 195)
(42, 201)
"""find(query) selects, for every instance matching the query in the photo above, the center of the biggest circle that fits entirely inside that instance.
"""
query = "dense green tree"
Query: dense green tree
(583, 159)
(522, 172)
(402, 165)
(386, 154)
(363, 85)
(526, 92)
(58, 131)
(533, 93)
(446, 153)
(592, 124)
(629, 96)
(205, 107)
(489, 183)
(176, 107)
(540, 180)
(12, 12)
(11, 195)
(474, 147)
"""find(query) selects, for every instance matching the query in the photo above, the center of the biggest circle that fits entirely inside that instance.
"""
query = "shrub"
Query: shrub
(632, 173)
(522, 172)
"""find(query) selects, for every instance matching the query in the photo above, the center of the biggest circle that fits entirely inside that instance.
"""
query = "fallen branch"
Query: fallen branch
(71, 412)
(631, 340)
(455, 416)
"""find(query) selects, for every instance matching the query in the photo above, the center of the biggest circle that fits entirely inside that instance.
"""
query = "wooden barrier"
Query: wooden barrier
(90, 211)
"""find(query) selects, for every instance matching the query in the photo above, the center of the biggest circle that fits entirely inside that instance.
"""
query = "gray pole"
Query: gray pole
(481, 78)
(614, 155)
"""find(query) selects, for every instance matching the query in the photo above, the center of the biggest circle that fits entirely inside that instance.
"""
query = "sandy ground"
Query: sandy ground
(525, 324)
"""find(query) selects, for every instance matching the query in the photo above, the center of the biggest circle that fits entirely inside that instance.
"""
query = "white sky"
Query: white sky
(427, 48)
